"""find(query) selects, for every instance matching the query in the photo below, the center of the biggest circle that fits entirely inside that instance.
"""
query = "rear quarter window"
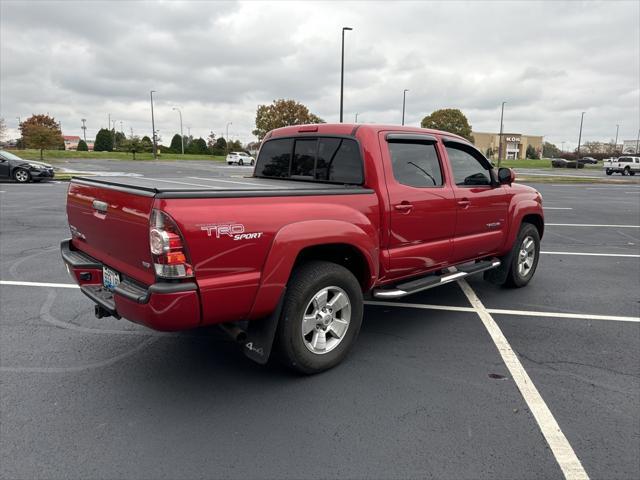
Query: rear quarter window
(320, 159)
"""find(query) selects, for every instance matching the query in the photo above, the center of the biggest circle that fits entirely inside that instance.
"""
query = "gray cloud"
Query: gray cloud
(219, 60)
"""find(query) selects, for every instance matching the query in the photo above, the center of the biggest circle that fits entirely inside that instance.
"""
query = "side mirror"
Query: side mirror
(506, 176)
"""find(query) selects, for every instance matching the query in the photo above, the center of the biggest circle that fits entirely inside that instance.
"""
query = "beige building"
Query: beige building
(514, 145)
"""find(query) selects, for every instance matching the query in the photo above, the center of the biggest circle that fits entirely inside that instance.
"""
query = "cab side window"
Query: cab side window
(415, 164)
(467, 169)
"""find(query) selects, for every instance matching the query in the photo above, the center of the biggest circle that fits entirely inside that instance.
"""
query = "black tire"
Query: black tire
(514, 278)
(21, 175)
(305, 282)
(240, 162)
(252, 162)
(608, 172)
(626, 171)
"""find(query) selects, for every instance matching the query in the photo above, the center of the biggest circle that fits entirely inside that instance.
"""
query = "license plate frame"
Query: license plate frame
(110, 278)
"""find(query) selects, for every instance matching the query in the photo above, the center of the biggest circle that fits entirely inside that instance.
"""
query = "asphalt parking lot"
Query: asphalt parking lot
(425, 394)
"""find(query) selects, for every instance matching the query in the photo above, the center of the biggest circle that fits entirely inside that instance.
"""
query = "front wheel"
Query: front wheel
(21, 175)
(524, 256)
(321, 317)
(626, 171)
(608, 172)
(252, 162)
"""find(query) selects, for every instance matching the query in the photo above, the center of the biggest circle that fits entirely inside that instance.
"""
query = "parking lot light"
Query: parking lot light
(153, 129)
(500, 137)
(404, 101)
(181, 134)
(579, 139)
(342, 72)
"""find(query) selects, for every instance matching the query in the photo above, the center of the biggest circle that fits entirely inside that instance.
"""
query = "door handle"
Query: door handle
(464, 202)
(404, 207)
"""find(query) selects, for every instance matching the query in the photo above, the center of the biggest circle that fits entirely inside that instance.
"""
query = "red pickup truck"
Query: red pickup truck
(331, 215)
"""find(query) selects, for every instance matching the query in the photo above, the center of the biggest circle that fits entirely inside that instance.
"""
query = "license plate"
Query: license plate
(110, 278)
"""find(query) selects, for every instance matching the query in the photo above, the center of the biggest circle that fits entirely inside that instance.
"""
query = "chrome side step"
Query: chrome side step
(431, 281)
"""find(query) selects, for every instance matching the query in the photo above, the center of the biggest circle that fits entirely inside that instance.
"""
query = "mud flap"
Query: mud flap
(498, 276)
(260, 335)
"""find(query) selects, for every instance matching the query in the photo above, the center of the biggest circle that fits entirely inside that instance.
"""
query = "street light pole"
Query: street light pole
(153, 128)
(563, 146)
(615, 144)
(356, 121)
(342, 72)
(579, 140)
(404, 101)
(84, 129)
(181, 134)
(227, 137)
(638, 142)
(500, 138)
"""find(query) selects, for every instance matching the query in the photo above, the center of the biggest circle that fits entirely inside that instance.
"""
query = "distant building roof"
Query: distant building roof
(71, 137)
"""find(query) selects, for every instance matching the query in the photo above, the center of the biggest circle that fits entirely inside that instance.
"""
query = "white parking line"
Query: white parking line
(233, 181)
(501, 311)
(182, 183)
(589, 225)
(38, 284)
(589, 254)
(563, 452)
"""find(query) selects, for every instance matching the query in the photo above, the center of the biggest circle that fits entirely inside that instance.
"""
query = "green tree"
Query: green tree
(41, 131)
(449, 120)
(133, 145)
(235, 146)
(147, 144)
(82, 146)
(531, 153)
(104, 141)
(3, 128)
(549, 150)
(282, 113)
(176, 144)
(119, 139)
(198, 147)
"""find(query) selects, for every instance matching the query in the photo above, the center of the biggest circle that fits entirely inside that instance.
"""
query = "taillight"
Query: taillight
(170, 258)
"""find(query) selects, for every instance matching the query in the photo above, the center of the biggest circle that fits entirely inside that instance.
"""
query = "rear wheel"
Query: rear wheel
(524, 257)
(321, 317)
(240, 162)
(608, 172)
(21, 175)
(252, 162)
(626, 171)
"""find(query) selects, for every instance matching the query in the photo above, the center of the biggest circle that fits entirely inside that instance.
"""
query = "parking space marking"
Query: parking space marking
(38, 284)
(233, 181)
(563, 452)
(589, 225)
(502, 311)
(590, 254)
(182, 183)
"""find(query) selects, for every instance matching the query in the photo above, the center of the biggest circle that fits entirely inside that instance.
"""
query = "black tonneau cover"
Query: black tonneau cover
(215, 187)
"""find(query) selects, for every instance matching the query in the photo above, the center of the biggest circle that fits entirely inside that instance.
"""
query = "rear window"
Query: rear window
(324, 159)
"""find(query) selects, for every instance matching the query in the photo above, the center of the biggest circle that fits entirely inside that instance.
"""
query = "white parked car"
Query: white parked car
(626, 165)
(240, 158)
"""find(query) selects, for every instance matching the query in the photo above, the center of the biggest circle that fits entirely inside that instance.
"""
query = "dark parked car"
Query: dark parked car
(21, 170)
(564, 163)
(589, 160)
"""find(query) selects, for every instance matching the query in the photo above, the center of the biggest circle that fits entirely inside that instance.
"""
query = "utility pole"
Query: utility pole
(615, 144)
(131, 130)
(121, 127)
(108, 121)
(188, 131)
(356, 121)
(181, 134)
(404, 101)
(227, 137)
(638, 142)
(562, 143)
(153, 128)
(579, 140)
(84, 130)
(342, 72)
(500, 138)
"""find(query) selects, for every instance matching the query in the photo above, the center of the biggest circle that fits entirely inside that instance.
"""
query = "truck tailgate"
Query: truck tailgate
(112, 225)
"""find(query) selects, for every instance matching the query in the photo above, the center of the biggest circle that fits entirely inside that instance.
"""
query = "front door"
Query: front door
(422, 205)
(481, 220)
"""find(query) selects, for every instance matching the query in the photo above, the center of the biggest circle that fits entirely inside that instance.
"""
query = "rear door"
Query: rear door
(422, 215)
(481, 219)
(4, 167)
(112, 225)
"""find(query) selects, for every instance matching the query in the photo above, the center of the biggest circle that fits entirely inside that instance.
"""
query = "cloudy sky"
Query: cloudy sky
(218, 60)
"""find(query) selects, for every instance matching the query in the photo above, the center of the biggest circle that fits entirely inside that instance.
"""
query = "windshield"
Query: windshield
(10, 156)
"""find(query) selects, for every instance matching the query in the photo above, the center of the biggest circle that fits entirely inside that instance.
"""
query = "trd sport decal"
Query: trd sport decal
(233, 230)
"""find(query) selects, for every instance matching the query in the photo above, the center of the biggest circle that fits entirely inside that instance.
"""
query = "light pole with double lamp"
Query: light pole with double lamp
(500, 138)
(342, 72)
(181, 135)
(579, 140)
(404, 101)
(153, 129)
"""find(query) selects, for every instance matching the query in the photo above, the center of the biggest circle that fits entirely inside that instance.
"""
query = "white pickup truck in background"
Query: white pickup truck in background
(627, 165)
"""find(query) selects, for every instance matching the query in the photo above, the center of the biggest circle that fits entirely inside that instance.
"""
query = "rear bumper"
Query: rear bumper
(162, 306)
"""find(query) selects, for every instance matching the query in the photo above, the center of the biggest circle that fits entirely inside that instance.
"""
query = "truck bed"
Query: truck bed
(220, 187)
